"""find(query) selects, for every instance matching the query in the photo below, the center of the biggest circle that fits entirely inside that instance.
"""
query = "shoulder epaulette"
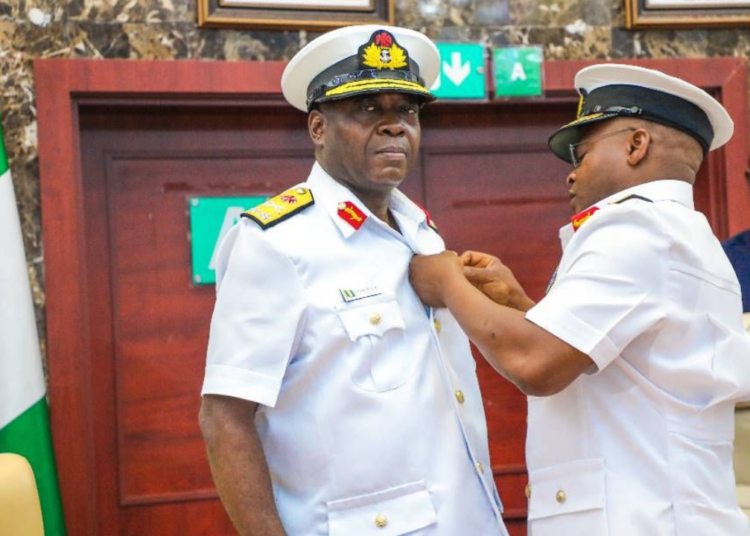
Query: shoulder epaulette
(631, 197)
(281, 207)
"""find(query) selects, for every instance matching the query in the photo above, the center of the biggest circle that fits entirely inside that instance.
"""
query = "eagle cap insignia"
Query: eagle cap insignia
(383, 52)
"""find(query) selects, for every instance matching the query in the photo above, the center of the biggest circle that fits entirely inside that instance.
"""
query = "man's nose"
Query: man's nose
(391, 125)
(571, 178)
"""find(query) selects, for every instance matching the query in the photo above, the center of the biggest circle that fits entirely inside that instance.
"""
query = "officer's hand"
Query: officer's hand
(429, 273)
(495, 280)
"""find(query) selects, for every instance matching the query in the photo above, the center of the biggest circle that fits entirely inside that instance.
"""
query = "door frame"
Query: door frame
(64, 86)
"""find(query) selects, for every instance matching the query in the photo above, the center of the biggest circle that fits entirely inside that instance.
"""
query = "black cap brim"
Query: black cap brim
(570, 134)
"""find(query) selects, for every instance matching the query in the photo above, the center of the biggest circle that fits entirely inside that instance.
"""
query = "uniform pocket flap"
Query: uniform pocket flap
(391, 512)
(371, 319)
(566, 488)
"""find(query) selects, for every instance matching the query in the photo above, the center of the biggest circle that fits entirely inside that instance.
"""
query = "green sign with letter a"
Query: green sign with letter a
(518, 71)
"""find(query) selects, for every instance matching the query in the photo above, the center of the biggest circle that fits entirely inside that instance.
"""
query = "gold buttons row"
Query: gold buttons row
(560, 496)
(375, 319)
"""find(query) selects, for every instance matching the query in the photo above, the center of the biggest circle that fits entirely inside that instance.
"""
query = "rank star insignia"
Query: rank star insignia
(382, 52)
(288, 199)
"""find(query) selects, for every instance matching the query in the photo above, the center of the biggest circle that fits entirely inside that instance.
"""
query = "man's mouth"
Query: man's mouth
(391, 150)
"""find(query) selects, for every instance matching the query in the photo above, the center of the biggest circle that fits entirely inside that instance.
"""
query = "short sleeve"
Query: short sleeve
(612, 284)
(258, 318)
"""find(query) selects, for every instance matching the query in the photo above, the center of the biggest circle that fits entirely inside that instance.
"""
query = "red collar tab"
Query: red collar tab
(582, 217)
(351, 214)
(428, 218)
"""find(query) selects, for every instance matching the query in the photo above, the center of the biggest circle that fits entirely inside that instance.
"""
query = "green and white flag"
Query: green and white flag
(24, 420)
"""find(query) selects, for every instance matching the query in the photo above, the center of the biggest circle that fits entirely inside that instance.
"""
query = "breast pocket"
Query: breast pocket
(392, 512)
(568, 500)
(379, 360)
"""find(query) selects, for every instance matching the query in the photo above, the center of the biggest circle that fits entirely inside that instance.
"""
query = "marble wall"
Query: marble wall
(167, 29)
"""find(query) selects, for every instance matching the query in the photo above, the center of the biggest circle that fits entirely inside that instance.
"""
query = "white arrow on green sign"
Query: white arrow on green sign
(462, 72)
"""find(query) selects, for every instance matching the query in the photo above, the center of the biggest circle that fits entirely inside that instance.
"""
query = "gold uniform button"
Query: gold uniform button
(375, 319)
(341, 206)
(301, 191)
(527, 491)
(438, 327)
(381, 521)
(560, 497)
(480, 467)
(460, 396)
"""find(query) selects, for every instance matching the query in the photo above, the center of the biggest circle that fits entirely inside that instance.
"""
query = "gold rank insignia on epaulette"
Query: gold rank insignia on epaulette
(281, 207)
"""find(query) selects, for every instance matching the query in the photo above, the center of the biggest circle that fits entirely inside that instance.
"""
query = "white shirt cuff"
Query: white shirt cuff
(574, 331)
(241, 383)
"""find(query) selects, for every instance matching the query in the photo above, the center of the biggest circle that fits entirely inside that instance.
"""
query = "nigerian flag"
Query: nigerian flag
(24, 421)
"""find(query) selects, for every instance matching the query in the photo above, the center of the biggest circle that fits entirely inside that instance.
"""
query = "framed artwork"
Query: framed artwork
(686, 13)
(293, 14)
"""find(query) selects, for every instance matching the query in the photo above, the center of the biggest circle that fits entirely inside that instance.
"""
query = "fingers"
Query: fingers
(474, 258)
(466, 258)
(478, 276)
(479, 259)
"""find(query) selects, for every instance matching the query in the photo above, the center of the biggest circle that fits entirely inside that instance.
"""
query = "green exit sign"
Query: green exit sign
(210, 220)
(462, 72)
(518, 71)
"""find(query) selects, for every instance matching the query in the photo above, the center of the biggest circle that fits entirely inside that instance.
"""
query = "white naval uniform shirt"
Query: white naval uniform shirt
(642, 444)
(360, 419)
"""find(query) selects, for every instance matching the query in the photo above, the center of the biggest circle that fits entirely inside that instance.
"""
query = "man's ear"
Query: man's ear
(638, 145)
(316, 126)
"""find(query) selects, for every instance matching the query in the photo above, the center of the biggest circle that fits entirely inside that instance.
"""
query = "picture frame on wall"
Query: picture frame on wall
(293, 14)
(645, 14)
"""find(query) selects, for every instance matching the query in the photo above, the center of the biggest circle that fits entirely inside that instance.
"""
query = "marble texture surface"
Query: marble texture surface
(167, 29)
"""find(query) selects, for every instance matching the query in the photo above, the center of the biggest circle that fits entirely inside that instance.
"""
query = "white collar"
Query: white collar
(330, 195)
(662, 190)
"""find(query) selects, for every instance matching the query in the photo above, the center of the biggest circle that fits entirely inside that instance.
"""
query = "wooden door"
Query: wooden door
(128, 327)
(141, 167)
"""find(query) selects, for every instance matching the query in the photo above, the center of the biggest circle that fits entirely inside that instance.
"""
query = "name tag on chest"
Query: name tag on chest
(354, 294)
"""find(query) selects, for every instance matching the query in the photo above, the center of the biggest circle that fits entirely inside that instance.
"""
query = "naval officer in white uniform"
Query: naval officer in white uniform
(637, 355)
(335, 403)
